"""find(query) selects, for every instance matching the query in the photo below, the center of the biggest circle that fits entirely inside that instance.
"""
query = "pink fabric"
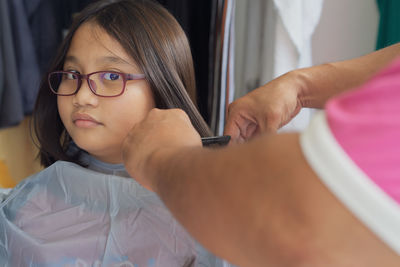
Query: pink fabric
(366, 123)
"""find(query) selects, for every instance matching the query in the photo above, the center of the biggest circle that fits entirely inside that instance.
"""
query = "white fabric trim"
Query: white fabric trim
(366, 200)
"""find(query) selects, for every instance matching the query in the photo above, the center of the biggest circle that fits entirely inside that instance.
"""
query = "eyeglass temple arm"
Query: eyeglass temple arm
(135, 76)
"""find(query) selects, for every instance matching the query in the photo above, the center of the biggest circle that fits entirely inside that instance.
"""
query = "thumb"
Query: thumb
(241, 128)
(232, 129)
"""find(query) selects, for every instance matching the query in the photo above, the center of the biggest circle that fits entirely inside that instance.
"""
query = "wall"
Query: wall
(347, 29)
(17, 154)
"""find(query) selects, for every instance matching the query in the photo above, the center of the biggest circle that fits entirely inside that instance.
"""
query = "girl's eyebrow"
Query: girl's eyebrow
(71, 59)
(106, 59)
(111, 59)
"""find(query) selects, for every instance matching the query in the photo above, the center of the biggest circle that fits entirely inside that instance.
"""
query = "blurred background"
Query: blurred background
(237, 45)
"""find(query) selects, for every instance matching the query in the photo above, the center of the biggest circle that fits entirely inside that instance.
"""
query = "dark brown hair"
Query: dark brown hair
(158, 45)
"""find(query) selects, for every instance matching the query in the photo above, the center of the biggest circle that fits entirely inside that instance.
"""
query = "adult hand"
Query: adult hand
(265, 109)
(162, 132)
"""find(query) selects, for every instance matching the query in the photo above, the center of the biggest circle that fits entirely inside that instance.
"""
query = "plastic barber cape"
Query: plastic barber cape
(68, 215)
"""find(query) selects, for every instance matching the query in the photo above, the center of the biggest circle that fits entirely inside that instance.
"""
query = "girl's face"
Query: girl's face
(98, 124)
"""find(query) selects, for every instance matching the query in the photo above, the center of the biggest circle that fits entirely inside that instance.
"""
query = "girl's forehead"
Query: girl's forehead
(92, 41)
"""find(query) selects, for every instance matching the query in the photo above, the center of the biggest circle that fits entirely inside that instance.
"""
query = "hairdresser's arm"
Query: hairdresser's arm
(256, 204)
(273, 105)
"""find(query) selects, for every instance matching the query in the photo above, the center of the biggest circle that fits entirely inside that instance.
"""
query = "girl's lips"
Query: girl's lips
(84, 120)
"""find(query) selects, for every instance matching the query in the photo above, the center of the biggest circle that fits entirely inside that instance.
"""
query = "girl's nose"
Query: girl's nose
(84, 96)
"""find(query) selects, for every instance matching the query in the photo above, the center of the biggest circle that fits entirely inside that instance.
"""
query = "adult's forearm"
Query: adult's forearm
(319, 83)
(260, 204)
(229, 200)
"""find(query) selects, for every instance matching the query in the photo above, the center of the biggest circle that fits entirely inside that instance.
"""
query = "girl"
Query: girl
(119, 60)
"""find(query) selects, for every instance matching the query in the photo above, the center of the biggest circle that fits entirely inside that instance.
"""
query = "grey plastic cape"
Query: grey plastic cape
(68, 215)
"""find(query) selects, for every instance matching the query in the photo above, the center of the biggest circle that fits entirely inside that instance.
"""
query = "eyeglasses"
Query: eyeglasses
(101, 83)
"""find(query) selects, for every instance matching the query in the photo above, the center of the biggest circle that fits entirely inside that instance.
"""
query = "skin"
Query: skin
(259, 203)
(111, 118)
(274, 104)
(268, 208)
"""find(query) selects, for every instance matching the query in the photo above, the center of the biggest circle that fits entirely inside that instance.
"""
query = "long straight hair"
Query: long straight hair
(159, 47)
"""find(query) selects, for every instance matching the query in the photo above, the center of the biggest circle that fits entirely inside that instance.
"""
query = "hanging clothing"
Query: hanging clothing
(68, 215)
(11, 108)
(389, 23)
(48, 20)
(277, 40)
(299, 19)
(226, 85)
(296, 23)
(27, 66)
(1, 59)
(45, 28)
(255, 44)
(30, 32)
(222, 48)
(215, 62)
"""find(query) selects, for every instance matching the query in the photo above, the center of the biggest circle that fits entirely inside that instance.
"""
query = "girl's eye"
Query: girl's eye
(71, 76)
(111, 76)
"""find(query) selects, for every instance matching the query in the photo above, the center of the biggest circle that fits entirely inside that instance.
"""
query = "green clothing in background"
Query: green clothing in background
(389, 23)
